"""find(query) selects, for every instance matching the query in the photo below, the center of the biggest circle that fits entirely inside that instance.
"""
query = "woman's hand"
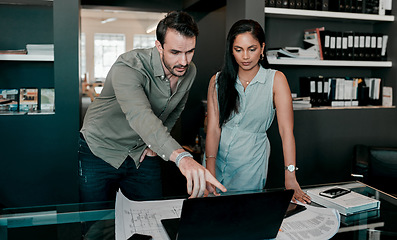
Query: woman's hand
(299, 194)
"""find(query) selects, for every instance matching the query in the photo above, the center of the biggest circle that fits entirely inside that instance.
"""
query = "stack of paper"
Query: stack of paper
(347, 204)
(40, 49)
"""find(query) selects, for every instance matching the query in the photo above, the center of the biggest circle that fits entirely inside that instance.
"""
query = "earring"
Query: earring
(262, 56)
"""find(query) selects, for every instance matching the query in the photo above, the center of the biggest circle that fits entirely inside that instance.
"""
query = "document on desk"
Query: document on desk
(315, 223)
(144, 216)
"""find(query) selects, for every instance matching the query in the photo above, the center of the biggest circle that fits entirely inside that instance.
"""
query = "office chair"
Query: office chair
(376, 166)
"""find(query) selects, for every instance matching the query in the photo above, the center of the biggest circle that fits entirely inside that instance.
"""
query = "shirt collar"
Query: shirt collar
(259, 77)
(157, 65)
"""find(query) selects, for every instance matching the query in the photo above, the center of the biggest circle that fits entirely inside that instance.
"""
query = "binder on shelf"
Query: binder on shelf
(350, 45)
(359, 6)
(342, 6)
(279, 3)
(367, 49)
(375, 90)
(379, 42)
(298, 4)
(292, 4)
(384, 47)
(346, 204)
(305, 4)
(381, 8)
(285, 4)
(325, 43)
(332, 45)
(270, 3)
(373, 47)
(344, 51)
(338, 46)
(314, 98)
(312, 5)
(356, 46)
(325, 5)
(348, 5)
(353, 7)
(361, 48)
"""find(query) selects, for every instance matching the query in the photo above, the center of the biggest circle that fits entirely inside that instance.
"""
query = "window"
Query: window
(83, 68)
(107, 47)
(143, 41)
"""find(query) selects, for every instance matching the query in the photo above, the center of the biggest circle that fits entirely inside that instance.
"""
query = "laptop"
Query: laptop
(243, 216)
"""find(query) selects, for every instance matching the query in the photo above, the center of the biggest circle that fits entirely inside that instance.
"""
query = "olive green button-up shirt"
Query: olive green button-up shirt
(136, 109)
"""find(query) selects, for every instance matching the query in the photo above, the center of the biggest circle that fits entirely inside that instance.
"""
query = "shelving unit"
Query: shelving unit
(299, 13)
(40, 148)
(330, 63)
(285, 16)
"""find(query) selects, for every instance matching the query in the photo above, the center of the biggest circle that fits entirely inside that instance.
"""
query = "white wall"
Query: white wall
(127, 23)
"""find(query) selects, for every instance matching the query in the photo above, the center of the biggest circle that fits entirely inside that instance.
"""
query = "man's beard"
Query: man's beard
(172, 71)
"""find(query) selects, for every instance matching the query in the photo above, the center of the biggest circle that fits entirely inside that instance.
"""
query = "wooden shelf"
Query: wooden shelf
(27, 57)
(299, 13)
(335, 63)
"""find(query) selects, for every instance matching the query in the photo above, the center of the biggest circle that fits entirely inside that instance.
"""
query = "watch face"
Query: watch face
(291, 168)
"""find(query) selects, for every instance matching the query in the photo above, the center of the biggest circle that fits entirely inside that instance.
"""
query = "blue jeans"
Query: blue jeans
(99, 181)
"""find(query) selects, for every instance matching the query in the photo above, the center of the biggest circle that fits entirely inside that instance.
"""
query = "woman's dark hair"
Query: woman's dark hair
(227, 94)
(181, 21)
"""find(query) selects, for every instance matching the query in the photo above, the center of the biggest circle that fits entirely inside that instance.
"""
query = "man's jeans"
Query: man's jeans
(99, 181)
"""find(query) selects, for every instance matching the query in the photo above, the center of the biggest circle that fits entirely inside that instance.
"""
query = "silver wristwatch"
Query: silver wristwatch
(290, 168)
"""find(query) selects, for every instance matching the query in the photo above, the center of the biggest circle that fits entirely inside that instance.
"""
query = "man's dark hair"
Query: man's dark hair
(181, 21)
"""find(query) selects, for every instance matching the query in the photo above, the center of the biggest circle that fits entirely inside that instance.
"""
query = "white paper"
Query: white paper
(144, 217)
(314, 223)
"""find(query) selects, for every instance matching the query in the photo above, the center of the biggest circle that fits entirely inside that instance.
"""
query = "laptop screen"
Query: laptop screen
(243, 216)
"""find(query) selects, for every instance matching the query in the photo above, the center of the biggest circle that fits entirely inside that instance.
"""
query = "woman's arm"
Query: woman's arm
(285, 119)
(213, 129)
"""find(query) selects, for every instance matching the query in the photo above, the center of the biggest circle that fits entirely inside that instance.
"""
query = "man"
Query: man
(125, 133)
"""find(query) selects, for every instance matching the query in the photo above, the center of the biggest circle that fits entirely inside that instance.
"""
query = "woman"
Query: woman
(242, 100)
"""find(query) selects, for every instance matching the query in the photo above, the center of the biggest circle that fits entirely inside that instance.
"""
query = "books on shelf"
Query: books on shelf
(40, 49)
(18, 52)
(387, 97)
(301, 103)
(347, 204)
(47, 99)
(8, 100)
(341, 91)
(28, 99)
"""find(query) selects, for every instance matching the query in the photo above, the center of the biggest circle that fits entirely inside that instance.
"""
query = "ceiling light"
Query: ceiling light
(108, 20)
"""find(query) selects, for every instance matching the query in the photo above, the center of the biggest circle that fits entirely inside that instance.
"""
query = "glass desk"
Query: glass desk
(69, 221)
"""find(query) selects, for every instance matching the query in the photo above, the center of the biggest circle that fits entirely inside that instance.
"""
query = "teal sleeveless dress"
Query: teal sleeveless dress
(244, 149)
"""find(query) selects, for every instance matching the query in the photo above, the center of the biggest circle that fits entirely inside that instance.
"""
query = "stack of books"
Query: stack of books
(347, 204)
(40, 49)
